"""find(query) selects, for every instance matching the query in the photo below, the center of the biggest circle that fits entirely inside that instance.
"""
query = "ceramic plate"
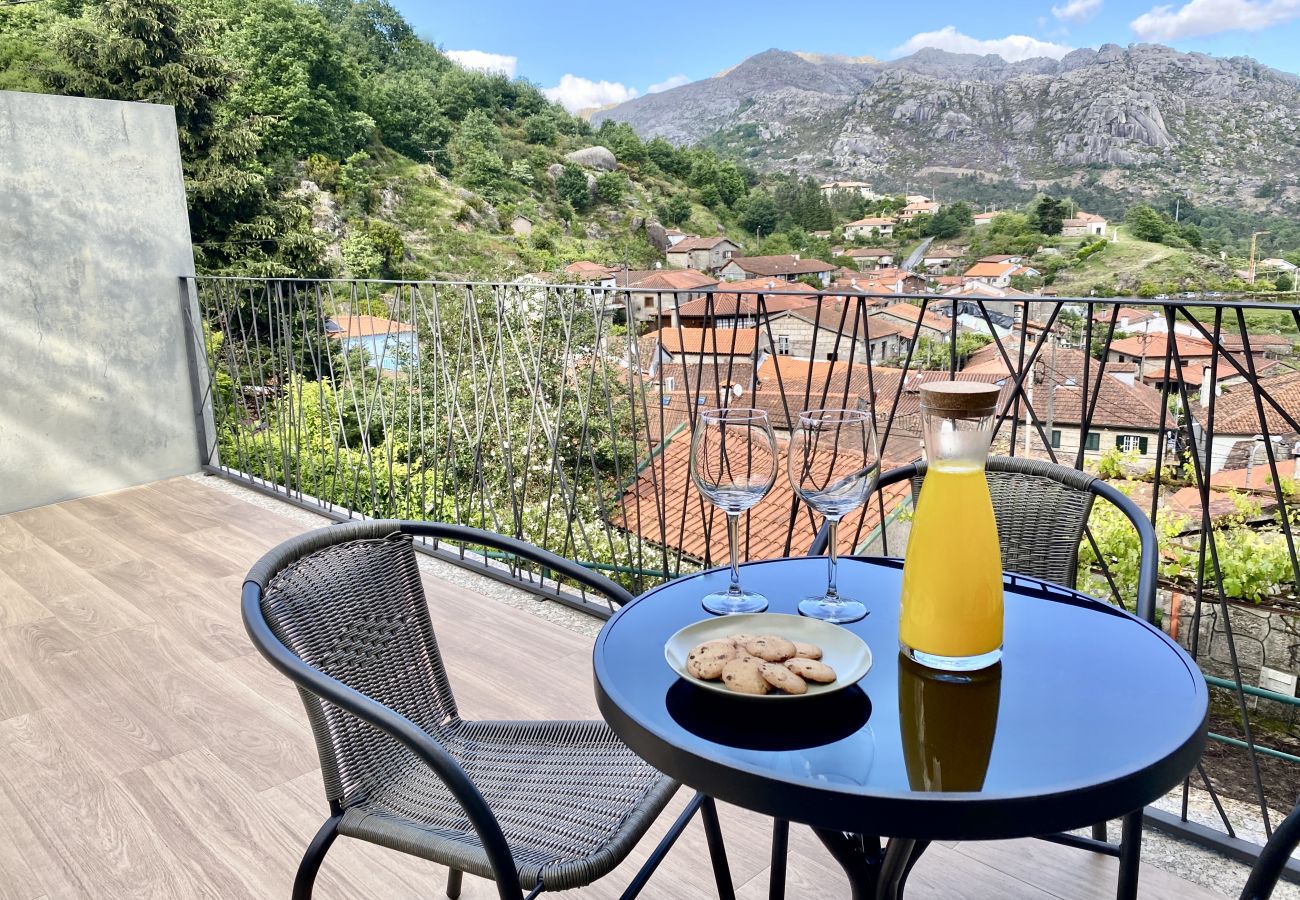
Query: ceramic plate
(842, 650)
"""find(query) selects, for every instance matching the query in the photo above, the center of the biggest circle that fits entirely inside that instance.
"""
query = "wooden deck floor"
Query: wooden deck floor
(146, 750)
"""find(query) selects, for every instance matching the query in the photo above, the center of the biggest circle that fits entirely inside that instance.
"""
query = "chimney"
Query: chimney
(796, 256)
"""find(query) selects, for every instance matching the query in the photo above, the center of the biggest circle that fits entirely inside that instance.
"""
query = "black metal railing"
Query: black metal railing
(562, 414)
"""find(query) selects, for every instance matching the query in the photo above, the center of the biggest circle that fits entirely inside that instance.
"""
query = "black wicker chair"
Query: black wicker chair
(1276, 854)
(532, 805)
(1042, 509)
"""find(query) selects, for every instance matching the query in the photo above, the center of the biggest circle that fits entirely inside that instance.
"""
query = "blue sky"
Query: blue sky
(590, 53)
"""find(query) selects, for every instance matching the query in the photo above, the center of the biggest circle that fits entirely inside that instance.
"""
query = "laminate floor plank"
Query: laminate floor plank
(17, 604)
(1072, 873)
(263, 744)
(83, 817)
(70, 593)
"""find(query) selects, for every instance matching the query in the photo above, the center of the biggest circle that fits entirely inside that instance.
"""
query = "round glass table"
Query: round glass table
(1091, 714)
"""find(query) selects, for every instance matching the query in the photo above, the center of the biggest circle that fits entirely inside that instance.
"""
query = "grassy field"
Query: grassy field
(1126, 264)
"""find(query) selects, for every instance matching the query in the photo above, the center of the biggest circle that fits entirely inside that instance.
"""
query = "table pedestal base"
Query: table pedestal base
(873, 873)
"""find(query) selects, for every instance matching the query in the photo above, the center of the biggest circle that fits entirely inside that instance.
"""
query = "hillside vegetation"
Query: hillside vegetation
(324, 137)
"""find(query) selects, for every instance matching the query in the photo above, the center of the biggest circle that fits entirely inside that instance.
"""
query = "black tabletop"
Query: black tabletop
(1092, 713)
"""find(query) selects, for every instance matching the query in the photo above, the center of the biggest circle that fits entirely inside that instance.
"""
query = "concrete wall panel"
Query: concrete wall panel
(95, 391)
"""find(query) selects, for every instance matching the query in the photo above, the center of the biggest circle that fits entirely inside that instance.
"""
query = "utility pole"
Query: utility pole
(1178, 205)
(1253, 236)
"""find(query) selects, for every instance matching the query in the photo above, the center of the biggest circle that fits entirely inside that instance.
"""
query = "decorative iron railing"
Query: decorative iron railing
(562, 414)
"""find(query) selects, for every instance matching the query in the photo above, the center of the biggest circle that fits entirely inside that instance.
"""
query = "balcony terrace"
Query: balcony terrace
(146, 749)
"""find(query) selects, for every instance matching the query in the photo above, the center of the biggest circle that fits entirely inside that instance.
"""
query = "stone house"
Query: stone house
(1084, 224)
(871, 257)
(786, 267)
(704, 254)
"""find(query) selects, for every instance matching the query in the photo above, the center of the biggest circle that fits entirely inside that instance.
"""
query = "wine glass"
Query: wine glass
(733, 463)
(834, 466)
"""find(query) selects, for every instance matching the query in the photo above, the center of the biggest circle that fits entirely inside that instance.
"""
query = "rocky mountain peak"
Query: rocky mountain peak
(1213, 127)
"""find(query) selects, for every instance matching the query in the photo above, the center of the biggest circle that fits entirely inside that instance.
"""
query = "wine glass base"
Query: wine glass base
(727, 603)
(837, 611)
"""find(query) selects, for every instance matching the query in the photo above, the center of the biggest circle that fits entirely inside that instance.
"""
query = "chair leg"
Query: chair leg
(1099, 832)
(780, 850)
(453, 883)
(717, 852)
(315, 855)
(1130, 854)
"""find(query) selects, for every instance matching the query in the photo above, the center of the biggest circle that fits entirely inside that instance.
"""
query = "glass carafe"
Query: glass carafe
(952, 577)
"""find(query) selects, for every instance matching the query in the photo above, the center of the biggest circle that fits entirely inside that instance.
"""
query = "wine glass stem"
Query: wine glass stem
(832, 556)
(733, 539)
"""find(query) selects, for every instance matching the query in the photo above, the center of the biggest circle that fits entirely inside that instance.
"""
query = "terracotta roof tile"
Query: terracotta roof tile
(1158, 345)
(718, 341)
(1235, 412)
(664, 507)
(366, 326)
(699, 243)
(783, 264)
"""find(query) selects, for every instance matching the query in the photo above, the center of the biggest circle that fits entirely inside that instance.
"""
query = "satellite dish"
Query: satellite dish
(737, 390)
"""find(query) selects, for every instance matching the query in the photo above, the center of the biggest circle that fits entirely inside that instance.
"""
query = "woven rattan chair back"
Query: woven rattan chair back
(356, 611)
(1041, 510)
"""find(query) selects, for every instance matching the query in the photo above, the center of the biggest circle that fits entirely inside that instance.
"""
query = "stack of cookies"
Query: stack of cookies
(759, 664)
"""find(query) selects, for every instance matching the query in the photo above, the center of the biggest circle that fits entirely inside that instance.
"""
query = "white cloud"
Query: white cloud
(575, 93)
(668, 84)
(1012, 48)
(1201, 17)
(1077, 10)
(482, 61)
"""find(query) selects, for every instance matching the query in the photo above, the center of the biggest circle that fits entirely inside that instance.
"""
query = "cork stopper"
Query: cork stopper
(960, 398)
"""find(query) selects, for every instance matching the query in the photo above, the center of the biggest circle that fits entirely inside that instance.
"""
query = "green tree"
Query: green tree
(758, 213)
(731, 183)
(610, 187)
(1145, 224)
(474, 152)
(150, 50)
(571, 187)
(676, 210)
(1047, 215)
(665, 156)
(296, 76)
(949, 221)
(540, 129)
(622, 141)
(407, 116)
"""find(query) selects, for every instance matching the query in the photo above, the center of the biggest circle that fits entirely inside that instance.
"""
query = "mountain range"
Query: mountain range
(1142, 120)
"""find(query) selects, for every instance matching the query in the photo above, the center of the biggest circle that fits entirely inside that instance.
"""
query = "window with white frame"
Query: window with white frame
(783, 344)
(1130, 443)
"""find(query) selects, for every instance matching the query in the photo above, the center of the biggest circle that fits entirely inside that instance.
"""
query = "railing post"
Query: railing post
(201, 379)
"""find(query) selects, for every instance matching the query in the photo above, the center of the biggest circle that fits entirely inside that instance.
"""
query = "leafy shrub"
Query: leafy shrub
(571, 187)
(610, 187)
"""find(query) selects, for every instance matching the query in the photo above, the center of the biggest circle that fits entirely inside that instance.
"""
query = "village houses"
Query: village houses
(872, 226)
(786, 267)
(870, 257)
(706, 254)
(922, 207)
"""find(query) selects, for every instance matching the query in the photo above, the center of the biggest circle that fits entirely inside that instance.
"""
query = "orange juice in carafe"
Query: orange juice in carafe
(951, 614)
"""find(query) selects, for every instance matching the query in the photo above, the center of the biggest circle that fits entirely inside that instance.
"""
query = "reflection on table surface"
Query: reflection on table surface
(947, 722)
